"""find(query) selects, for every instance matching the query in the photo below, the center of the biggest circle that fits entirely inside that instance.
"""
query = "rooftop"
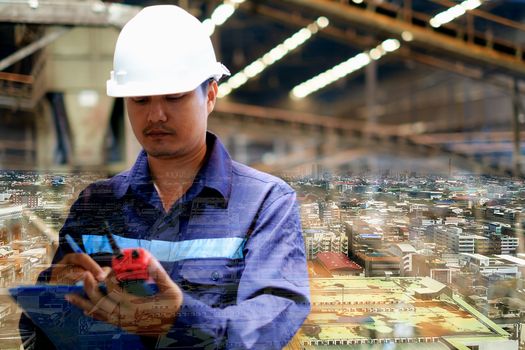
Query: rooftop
(337, 261)
(357, 309)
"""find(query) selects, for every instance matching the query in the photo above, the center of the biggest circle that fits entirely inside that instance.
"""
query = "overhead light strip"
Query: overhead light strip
(274, 55)
(221, 15)
(363, 59)
(454, 12)
(344, 68)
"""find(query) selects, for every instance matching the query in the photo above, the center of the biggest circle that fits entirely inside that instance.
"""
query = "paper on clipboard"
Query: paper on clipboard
(65, 324)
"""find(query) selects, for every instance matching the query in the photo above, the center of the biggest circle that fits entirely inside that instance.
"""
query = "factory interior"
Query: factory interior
(430, 95)
(398, 123)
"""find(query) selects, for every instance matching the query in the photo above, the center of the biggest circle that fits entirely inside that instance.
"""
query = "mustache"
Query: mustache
(157, 129)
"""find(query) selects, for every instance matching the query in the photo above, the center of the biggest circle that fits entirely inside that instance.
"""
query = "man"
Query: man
(228, 252)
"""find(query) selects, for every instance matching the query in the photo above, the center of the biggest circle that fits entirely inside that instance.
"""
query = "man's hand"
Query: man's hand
(72, 268)
(150, 316)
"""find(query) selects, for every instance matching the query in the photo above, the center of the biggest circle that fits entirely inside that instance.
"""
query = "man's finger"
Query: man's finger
(86, 262)
(111, 281)
(89, 309)
(81, 303)
(72, 274)
(97, 298)
(160, 276)
(66, 274)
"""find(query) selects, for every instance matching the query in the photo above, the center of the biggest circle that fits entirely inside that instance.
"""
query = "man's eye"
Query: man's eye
(139, 99)
(173, 97)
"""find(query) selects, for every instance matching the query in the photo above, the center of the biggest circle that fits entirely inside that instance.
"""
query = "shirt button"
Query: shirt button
(215, 276)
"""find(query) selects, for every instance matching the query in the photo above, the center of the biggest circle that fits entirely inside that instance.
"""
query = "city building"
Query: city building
(362, 236)
(454, 239)
(329, 213)
(379, 263)
(502, 244)
(28, 200)
(513, 217)
(10, 216)
(395, 313)
(491, 266)
(321, 240)
(310, 214)
(7, 274)
(339, 264)
(405, 252)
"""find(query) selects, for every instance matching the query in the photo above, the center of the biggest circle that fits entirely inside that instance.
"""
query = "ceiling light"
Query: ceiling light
(390, 45)
(407, 36)
(471, 4)
(375, 54)
(237, 80)
(88, 98)
(274, 55)
(224, 89)
(322, 22)
(33, 4)
(344, 68)
(254, 69)
(454, 12)
(221, 15)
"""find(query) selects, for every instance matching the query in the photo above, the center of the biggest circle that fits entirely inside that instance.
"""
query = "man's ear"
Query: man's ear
(211, 96)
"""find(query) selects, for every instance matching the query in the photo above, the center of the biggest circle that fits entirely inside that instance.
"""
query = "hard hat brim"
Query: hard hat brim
(170, 85)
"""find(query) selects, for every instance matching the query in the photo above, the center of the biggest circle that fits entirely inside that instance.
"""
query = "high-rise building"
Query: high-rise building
(452, 239)
(329, 213)
(29, 200)
(502, 244)
(310, 214)
(320, 240)
(362, 237)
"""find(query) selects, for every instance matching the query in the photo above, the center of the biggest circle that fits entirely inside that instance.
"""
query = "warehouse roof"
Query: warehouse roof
(337, 261)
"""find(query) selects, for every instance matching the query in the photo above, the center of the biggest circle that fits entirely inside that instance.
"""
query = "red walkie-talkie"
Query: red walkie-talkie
(131, 268)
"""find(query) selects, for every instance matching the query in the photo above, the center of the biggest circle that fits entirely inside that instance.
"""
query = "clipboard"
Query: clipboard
(66, 325)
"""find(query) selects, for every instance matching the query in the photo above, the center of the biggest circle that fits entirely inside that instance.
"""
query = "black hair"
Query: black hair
(205, 84)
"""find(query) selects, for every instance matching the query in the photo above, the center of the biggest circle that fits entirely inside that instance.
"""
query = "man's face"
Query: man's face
(169, 126)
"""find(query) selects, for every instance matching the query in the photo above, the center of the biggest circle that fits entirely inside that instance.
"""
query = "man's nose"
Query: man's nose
(156, 112)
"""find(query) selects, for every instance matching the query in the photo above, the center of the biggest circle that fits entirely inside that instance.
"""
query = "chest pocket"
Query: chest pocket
(212, 281)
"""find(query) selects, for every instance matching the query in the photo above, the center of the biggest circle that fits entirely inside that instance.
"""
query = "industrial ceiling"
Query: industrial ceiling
(416, 72)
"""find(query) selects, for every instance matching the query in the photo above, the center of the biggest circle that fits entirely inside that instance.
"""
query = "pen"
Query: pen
(73, 244)
(76, 249)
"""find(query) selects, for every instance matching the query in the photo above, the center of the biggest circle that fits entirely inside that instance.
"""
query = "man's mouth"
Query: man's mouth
(157, 132)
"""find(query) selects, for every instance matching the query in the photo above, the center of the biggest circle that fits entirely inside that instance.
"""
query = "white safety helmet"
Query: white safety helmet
(162, 50)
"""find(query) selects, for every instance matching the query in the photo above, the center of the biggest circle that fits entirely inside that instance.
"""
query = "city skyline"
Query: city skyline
(463, 236)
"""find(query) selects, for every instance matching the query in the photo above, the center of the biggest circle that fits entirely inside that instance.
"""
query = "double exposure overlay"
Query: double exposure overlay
(344, 174)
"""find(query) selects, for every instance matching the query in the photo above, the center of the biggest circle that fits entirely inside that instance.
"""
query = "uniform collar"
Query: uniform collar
(214, 178)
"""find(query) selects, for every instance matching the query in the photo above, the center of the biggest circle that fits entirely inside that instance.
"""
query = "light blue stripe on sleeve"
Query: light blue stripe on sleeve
(228, 248)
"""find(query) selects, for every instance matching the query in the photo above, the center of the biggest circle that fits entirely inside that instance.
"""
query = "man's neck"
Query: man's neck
(172, 177)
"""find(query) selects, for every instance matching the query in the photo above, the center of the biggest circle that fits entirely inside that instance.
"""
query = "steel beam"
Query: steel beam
(516, 126)
(313, 120)
(71, 12)
(17, 78)
(482, 149)
(478, 12)
(332, 161)
(33, 47)
(424, 37)
(366, 42)
(460, 137)
(398, 137)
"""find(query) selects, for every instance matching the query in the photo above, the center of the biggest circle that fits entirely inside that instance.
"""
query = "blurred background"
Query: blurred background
(348, 85)
(398, 122)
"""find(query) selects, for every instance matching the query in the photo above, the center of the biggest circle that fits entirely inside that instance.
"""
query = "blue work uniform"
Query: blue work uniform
(232, 243)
